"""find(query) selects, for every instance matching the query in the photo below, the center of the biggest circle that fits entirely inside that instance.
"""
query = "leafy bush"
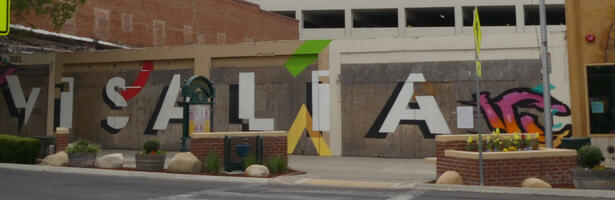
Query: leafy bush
(277, 165)
(82, 146)
(590, 156)
(151, 147)
(14, 149)
(249, 160)
(213, 163)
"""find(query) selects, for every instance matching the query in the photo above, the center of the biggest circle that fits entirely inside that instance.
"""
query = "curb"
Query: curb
(347, 183)
(139, 174)
(518, 190)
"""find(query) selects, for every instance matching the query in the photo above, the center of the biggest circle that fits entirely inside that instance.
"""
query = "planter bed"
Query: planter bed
(511, 168)
(505, 168)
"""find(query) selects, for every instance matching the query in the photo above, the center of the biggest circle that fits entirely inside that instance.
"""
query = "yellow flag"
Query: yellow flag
(5, 16)
(477, 41)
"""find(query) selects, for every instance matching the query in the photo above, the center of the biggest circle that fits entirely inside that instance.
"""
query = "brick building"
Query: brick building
(141, 23)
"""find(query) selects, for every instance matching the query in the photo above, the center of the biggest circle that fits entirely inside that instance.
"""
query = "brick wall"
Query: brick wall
(142, 23)
(272, 146)
(504, 172)
(511, 172)
(62, 141)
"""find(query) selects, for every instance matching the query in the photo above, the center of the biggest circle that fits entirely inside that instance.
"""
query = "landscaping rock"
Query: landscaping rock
(450, 177)
(110, 161)
(58, 159)
(185, 162)
(257, 171)
(535, 183)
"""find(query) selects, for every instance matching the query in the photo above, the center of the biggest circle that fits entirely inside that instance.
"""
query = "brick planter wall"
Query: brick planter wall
(511, 172)
(555, 169)
(62, 139)
(274, 144)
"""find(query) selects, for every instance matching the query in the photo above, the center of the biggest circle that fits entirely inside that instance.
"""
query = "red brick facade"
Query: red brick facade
(62, 141)
(272, 146)
(142, 23)
(505, 172)
(511, 172)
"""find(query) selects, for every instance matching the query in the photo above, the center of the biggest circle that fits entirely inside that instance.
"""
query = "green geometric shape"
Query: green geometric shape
(5, 17)
(305, 55)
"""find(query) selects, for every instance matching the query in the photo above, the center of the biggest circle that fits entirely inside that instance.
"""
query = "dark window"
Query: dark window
(374, 18)
(600, 87)
(323, 19)
(430, 17)
(491, 15)
(556, 14)
(290, 14)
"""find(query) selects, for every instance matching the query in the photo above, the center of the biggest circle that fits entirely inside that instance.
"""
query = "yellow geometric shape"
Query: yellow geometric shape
(303, 121)
(5, 16)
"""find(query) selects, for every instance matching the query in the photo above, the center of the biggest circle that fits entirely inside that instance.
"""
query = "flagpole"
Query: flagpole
(546, 85)
(478, 70)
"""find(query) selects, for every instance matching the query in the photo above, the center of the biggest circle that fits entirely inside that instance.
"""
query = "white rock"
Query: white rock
(110, 161)
(185, 162)
(58, 159)
(450, 177)
(257, 171)
(535, 183)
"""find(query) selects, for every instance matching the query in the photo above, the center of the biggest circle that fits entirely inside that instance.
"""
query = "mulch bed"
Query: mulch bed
(561, 186)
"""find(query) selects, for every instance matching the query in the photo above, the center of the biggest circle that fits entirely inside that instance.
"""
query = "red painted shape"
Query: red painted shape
(136, 87)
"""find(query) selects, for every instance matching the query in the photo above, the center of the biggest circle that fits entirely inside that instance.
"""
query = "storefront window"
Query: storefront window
(600, 87)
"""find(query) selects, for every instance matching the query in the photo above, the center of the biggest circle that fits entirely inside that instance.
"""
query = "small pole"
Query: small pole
(478, 113)
(185, 127)
(546, 85)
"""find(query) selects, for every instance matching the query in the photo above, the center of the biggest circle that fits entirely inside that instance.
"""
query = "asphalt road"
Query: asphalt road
(20, 185)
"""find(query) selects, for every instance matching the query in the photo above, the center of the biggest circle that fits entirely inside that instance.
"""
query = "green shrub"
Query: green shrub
(590, 156)
(277, 165)
(249, 160)
(14, 149)
(151, 145)
(213, 163)
(82, 146)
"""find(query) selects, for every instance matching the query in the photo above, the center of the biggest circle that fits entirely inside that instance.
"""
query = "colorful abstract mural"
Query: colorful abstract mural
(504, 112)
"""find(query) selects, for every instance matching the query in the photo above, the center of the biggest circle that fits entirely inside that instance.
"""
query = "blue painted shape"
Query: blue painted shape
(539, 89)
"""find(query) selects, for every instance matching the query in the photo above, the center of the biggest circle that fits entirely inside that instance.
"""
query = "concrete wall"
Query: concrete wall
(361, 77)
(510, 60)
(13, 114)
(277, 96)
(348, 32)
(367, 88)
(92, 108)
(145, 23)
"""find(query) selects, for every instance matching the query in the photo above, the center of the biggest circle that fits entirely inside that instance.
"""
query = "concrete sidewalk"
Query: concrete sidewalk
(360, 171)
(338, 171)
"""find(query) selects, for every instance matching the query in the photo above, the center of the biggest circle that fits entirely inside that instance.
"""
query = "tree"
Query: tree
(58, 10)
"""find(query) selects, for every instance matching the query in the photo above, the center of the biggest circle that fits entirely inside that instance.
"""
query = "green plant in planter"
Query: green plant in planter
(152, 147)
(82, 146)
(249, 160)
(277, 165)
(590, 157)
(213, 163)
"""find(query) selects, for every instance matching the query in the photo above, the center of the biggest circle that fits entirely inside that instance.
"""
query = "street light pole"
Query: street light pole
(546, 85)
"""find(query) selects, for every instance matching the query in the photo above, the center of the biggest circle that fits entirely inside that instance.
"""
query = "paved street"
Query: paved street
(18, 184)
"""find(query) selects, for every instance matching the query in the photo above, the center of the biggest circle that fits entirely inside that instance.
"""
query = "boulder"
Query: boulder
(450, 177)
(58, 159)
(110, 161)
(535, 183)
(185, 162)
(257, 171)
